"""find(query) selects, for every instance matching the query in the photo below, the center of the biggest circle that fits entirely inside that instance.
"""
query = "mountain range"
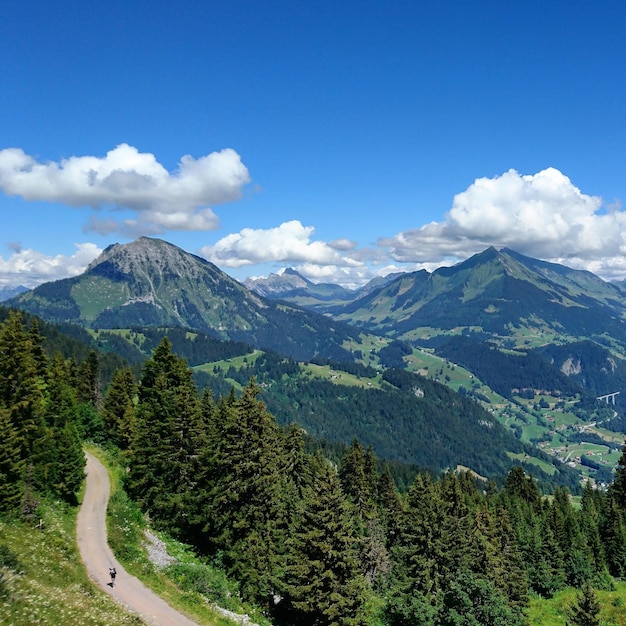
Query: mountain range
(511, 301)
(150, 282)
(498, 327)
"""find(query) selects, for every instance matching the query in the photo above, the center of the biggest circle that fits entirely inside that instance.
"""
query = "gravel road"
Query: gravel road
(98, 558)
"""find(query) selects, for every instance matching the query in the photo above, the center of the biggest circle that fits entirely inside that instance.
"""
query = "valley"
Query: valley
(499, 329)
(451, 416)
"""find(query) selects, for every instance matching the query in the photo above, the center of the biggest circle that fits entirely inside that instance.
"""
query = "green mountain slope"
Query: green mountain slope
(500, 295)
(150, 282)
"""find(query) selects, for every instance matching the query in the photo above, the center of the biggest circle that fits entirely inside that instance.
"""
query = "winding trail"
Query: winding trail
(98, 557)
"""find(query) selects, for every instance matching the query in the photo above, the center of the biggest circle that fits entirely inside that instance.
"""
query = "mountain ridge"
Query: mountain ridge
(150, 282)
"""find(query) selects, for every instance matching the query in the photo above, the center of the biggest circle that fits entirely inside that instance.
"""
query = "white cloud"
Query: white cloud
(291, 244)
(288, 243)
(128, 179)
(30, 268)
(542, 215)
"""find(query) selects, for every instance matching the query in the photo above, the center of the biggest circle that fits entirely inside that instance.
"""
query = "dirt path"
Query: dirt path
(97, 556)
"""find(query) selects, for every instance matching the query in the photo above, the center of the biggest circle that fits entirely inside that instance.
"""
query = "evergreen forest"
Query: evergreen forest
(313, 540)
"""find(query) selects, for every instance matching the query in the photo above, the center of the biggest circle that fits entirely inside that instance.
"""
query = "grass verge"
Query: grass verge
(42, 579)
(553, 612)
(191, 584)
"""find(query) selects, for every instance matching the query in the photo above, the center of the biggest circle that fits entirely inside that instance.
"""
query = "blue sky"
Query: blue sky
(345, 139)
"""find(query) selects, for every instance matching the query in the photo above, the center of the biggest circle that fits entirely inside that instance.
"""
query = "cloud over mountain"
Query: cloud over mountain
(290, 243)
(126, 179)
(542, 215)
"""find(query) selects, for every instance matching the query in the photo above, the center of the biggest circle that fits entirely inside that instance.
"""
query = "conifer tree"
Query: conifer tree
(89, 380)
(11, 465)
(353, 477)
(617, 489)
(472, 601)
(322, 584)
(297, 468)
(118, 411)
(69, 470)
(389, 505)
(245, 513)
(61, 402)
(613, 533)
(450, 541)
(420, 527)
(519, 485)
(586, 611)
(168, 438)
(39, 354)
(21, 389)
(590, 514)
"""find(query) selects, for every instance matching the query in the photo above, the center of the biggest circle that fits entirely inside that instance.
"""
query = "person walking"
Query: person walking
(113, 574)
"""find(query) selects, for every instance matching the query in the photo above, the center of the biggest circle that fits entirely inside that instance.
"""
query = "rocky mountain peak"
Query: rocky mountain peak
(148, 255)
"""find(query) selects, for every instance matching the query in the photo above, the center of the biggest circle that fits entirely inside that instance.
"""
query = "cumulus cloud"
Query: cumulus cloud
(30, 268)
(289, 243)
(126, 179)
(542, 215)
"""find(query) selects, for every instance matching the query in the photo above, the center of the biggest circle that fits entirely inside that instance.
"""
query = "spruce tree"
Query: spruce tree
(613, 533)
(21, 388)
(118, 411)
(39, 354)
(246, 509)
(70, 463)
(617, 489)
(590, 515)
(61, 402)
(322, 583)
(389, 505)
(586, 611)
(11, 465)
(167, 440)
(89, 380)
(473, 601)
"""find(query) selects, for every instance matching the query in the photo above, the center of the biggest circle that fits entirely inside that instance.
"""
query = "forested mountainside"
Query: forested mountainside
(407, 419)
(151, 283)
(313, 542)
(502, 296)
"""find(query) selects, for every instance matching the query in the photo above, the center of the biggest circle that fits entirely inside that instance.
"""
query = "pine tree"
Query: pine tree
(11, 465)
(519, 485)
(89, 380)
(617, 489)
(389, 505)
(21, 389)
(61, 402)
(168, 439)
(471, 601)
(118, 411)
(70, 463)
(323, 585)
(613, 533)
(246, 511)
(39, 354)
(353, 477)
(586, 611)
(590, 514)
(417, 551)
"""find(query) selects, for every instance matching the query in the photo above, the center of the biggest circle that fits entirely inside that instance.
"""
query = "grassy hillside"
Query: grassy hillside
(553, 612)
(43, 581)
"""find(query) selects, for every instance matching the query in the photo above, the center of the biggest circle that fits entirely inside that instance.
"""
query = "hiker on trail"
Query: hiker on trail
(113, 574)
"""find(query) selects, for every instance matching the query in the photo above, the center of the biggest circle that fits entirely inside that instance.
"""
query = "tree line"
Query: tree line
(314, 542)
